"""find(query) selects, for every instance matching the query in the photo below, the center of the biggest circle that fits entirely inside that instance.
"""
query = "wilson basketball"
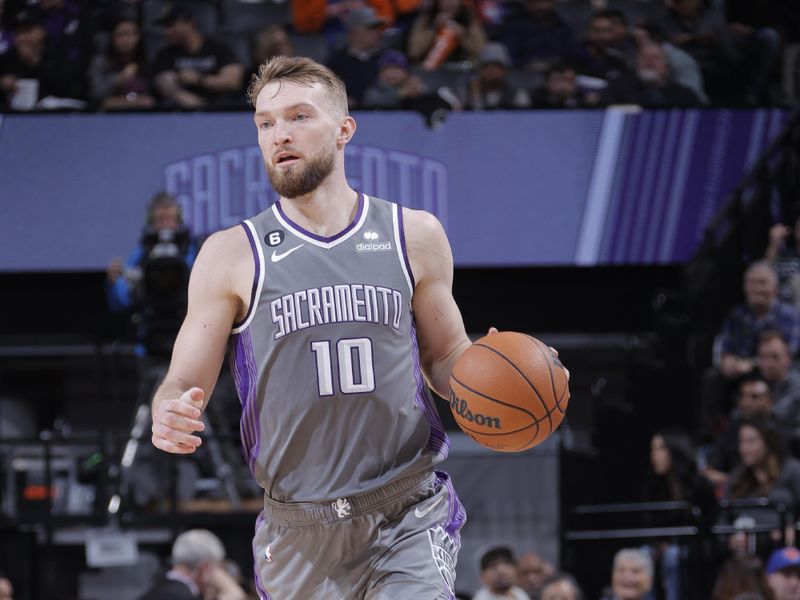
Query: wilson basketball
(508, 391)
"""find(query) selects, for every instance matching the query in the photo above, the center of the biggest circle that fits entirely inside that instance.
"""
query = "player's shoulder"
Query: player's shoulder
(422, 228)
(226, 247)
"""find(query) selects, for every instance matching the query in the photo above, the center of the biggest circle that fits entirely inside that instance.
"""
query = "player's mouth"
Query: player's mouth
(285, 159)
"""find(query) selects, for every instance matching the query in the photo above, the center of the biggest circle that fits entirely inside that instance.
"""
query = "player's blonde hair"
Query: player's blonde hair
(300, 70)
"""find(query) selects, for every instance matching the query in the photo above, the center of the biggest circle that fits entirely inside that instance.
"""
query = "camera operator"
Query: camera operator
(152, 282)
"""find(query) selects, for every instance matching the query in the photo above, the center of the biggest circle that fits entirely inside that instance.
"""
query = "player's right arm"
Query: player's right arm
(218, 295)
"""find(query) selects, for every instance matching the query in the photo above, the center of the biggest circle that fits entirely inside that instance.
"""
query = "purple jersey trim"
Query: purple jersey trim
(320, 238)
(437, 441)
(245, 377)
(254, 289)
(403, 245)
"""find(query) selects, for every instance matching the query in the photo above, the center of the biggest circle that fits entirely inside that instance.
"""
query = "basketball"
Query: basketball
(508, 391)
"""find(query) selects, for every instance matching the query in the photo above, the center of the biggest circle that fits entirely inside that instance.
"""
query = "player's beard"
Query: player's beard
(299, 179)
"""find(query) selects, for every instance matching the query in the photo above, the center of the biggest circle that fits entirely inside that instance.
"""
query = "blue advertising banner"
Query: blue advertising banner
(511, 188)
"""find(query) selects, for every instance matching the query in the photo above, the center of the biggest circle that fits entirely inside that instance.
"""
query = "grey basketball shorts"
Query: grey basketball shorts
(399, 541)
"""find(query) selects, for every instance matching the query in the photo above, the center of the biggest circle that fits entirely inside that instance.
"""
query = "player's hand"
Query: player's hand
(176, 420)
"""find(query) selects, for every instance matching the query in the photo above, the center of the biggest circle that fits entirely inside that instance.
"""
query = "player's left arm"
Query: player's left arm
(440, 328)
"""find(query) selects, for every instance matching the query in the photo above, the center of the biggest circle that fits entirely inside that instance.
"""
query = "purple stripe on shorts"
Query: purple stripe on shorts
(254, 289)
(262, 594)
(456, 515)
(245, 377)
(320, 238)
(437, 442)
(403, 245)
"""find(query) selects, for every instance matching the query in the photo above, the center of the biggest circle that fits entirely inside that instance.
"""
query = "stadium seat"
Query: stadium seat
(311, 45)
(246, 17)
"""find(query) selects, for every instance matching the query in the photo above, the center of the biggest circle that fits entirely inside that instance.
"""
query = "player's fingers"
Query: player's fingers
(180, 407)
(553, 350)
(493, 330)
(168, 446)
(566, 370)
(181, 423)
(175, 436)
(194, 397)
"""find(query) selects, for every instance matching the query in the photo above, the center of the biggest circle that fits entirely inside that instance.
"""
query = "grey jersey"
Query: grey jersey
(326, 360)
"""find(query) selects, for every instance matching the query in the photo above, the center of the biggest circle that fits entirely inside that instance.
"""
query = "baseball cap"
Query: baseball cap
(392, 58)
(173, 13)
(495, 53)
(783, 558)
(365, 16)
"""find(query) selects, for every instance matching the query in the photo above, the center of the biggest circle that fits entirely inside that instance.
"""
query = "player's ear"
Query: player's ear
(346, 130)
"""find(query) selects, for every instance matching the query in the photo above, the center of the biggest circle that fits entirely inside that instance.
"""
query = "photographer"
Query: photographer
(152, 282)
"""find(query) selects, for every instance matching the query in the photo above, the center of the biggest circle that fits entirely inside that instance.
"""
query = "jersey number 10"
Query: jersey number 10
(354, 362)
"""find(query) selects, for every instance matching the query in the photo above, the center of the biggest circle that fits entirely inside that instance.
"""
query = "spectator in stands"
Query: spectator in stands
(67, 31)
(783, 573)
(117, 77)
(652, 85)
(537, 37)
(741, 575)
(673, 477)
(560, 88)
(631, 575)
(499, 576)
(752, 25)
(491, 88)
(33, 69)
(622, 42)
(357, 63)
(783, 251)
(197, 571)
(701, 31)
(532, 572)
(6, 33)
(738, 341)
(683, 68)
(396, 86)
(6, 589)
(775, 364)
(596, 57)
(193, 71)
(272, 40)
(765, 471)
(754, 401)
(560, 587)
(448, 31)
(329, 17)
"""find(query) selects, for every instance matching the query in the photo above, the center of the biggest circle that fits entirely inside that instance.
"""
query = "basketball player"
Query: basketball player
(339, 309)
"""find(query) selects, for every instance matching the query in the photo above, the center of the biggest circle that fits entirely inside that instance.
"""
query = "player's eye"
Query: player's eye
(300, 117)
(264, 125)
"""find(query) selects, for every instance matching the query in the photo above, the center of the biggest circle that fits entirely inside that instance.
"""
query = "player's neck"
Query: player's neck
(327, 210)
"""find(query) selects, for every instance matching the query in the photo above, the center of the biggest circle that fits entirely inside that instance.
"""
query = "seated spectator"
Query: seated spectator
(701, 31)
(622, 42)
(560, 587)
(272, 40)
(396, 86)
(499, 577)
(775, 364)
(33, 70)
(631, 575)
(117, 77)
(6, 32)
(783, 573)
(783, 251)
(760, 312)
(672, 477)
(560, 89)
(357, 63)
(491, 89)
(448, 31)
(651, 86)
(682, 66)
(329, 17)
(193, 71)
(532, 572)
(197, 571)
(537, 37)
(67, 31)
(741, 575)
(595, 56)
(754, 401)
(752, 25)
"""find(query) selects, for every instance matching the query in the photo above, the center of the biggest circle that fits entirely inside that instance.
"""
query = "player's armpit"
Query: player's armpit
(440, 328)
